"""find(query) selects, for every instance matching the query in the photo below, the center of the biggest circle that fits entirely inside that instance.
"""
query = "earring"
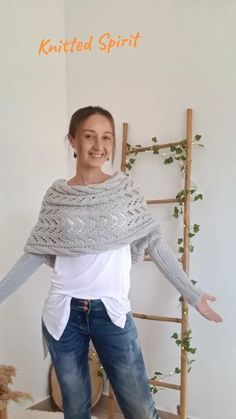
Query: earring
(74, 155)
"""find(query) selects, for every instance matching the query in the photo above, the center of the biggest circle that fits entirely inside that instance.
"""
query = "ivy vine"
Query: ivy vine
(175, 153)
(186, 346)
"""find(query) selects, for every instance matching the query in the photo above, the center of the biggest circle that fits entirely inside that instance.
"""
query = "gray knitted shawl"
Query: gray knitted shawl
(80, 219)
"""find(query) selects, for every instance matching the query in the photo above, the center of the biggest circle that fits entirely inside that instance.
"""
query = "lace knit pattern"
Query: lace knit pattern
(93, 218)
(117, 216)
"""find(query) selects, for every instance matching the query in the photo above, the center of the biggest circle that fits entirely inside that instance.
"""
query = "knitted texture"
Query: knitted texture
(90, 219)
(113, 205)
(160, 252)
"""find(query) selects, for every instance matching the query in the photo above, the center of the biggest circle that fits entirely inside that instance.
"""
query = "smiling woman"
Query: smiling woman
(92, 136)
(91, 229)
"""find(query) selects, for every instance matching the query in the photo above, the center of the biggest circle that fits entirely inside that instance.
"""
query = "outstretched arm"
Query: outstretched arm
(168, 264)
(24, 267)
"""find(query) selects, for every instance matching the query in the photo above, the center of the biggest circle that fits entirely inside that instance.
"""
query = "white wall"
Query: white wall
(185, 58)
(33, 153)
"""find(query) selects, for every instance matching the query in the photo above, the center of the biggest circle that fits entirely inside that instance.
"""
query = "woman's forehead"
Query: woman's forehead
(93, 125)
(97, 119)
(93, 131)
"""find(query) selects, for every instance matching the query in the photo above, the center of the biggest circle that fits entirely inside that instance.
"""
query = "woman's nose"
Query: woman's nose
(97, 143)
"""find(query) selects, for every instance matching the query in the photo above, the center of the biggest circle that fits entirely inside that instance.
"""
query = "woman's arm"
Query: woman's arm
(168, 264)
(24, 267)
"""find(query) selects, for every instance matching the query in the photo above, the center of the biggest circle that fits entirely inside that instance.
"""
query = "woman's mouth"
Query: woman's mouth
(96, 156)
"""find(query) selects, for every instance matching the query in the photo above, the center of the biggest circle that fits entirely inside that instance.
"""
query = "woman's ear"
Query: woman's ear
(70, 138)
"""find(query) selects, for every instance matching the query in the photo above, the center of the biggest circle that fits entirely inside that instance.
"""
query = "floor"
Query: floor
(100, 410)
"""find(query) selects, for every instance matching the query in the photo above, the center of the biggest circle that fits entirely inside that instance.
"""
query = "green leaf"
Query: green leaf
(181, 299)
(182, 157)
(180, 240)
(196, 228)
(176, 212)
(191, 248)
(199, 196)
(181, 194)
(155, 152)
(132, 161)
(181, 249)
(177, 370)
(154, 139)
(175, 335)
(191, 235)
(192, 350)
(198, 137)
(168, 160)
(178, 150)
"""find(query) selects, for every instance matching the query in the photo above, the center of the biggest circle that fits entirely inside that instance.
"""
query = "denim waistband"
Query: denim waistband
(81, 303)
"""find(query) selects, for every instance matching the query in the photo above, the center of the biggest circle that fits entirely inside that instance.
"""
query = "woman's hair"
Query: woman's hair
(82, 114)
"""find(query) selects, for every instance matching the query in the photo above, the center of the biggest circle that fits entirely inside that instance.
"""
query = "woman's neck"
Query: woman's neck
(90, 177)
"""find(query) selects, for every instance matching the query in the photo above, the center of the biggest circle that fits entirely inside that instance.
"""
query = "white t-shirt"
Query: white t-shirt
(104, 276)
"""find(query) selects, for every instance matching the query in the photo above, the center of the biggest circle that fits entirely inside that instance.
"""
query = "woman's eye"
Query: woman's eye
(90, 137)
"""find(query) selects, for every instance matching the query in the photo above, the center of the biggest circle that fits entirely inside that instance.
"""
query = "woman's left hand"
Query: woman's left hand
(206, 311)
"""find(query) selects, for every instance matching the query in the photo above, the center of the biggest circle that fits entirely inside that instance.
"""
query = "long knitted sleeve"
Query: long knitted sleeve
(24, 267)
(168, 264)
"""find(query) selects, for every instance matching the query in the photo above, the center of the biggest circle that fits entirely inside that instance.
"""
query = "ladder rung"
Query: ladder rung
(166, 385)
(150, 148)
(162, 201)
(158, 318)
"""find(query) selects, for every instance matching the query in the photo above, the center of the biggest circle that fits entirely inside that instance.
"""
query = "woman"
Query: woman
(90, 229)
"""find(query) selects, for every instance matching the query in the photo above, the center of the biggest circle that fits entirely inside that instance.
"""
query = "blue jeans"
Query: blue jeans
(119, 352)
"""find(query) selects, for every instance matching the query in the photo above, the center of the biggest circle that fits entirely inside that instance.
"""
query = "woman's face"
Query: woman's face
(93, 141)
